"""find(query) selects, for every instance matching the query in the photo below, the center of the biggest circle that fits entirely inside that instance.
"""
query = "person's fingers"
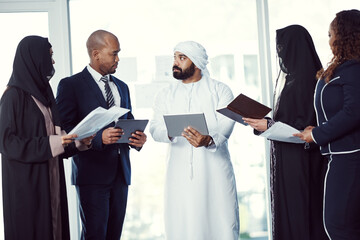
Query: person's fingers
(192, 131)
(187, 132)
(71, 136)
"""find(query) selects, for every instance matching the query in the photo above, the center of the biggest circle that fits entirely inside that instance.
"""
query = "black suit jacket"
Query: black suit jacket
(77, 96)
(337, 108)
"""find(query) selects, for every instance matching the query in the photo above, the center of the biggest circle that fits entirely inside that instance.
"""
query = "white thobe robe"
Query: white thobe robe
(200, 190)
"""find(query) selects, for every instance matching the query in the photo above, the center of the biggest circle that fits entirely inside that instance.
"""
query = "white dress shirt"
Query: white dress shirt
(97, 78)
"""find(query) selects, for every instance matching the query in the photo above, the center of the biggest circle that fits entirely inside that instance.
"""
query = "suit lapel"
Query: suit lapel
(122, 94)
(124, 98)
(94, 88)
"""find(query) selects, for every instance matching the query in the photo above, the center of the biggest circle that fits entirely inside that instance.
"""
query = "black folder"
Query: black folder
(243, 106)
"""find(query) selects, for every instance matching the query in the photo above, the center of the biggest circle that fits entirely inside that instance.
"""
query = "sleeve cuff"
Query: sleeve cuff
(312, 136)
(216, 141)
(173, 140)
(211, 147)
(55, 145)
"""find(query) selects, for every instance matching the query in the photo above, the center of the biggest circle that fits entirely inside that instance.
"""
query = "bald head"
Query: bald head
(103, 48)
(98, 40)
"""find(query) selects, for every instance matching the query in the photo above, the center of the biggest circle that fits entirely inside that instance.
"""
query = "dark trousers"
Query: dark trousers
(102, 209)
(342, 197)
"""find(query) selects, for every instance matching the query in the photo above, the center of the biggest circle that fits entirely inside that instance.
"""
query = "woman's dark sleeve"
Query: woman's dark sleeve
(13, 144)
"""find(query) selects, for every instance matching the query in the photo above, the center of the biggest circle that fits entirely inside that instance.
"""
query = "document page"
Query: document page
(282, 132)
(96, 120)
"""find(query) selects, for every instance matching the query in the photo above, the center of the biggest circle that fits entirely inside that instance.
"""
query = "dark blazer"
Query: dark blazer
(337, 107)
(77, 96)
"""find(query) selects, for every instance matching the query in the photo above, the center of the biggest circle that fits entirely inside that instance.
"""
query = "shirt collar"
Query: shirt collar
(97, 76)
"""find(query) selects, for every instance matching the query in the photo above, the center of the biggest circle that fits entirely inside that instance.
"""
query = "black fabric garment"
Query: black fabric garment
(25, 149)
(300, 62)
(32, 70)
(297, 174)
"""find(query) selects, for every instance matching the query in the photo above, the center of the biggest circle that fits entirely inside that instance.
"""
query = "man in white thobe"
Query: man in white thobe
(200, 190)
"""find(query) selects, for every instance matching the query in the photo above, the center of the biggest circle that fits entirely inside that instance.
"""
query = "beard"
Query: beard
(184, 74)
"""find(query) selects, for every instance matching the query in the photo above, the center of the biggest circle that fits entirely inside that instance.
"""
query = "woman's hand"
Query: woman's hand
(87, 141)
(67, 139)
(306, 134)
(257, 124)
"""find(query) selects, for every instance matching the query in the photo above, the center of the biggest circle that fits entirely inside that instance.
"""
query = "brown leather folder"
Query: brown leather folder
(243, 106)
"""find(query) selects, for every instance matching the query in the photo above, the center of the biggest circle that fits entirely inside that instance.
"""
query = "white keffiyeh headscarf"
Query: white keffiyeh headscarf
(197, 54)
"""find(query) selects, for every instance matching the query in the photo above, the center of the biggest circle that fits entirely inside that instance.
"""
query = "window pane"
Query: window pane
(316, 19)
(148, 32)
(14, 27)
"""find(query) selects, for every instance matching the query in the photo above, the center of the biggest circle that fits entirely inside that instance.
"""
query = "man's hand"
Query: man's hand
(137, 139)
(111, 135)
(195, 138)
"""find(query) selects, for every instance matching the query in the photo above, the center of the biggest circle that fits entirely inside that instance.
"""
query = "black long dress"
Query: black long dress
(297, 170)
(26, 150)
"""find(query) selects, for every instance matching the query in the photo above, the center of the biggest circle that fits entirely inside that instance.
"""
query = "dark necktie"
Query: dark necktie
(109, 96)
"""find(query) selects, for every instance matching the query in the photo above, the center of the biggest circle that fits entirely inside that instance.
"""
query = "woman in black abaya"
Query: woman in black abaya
(297, 171)
(32, 147)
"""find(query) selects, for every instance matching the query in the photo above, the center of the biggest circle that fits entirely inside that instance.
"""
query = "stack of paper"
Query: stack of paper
(96, 120)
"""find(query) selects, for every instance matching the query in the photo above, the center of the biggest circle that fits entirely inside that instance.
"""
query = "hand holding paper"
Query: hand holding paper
(282, 132)
(96, 120)
(87, 141)
(306, 134)
(67, 139)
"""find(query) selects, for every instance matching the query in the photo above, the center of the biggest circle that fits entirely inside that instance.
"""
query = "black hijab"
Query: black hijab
(299, 60)
(32, 70)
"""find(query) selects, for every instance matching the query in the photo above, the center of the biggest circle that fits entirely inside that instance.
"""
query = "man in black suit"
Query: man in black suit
(101, 175)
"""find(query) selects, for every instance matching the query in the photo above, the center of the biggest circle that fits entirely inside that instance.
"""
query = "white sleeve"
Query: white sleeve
(225, 125)
(157, 124)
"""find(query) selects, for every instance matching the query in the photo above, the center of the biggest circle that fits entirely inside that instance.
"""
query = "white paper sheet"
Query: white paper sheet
(96, 120)
(282, 132)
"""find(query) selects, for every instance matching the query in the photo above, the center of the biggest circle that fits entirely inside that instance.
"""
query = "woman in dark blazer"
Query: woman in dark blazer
(337, 103)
